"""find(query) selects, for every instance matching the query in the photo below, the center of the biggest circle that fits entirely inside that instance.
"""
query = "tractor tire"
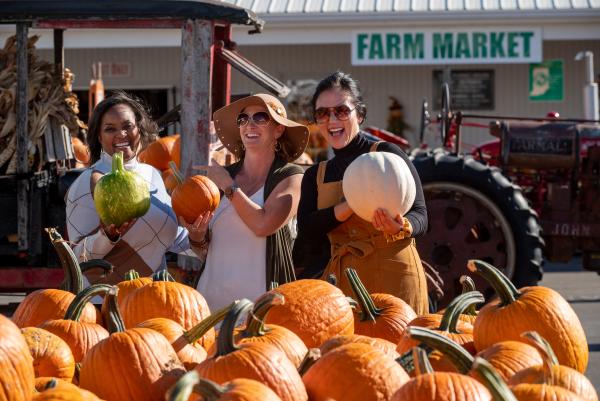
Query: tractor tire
(475, 212)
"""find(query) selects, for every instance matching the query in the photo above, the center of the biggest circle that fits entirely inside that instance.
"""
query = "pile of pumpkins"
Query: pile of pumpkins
(155, 339)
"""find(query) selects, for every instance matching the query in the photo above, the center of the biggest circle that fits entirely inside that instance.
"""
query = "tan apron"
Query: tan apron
(391, 268)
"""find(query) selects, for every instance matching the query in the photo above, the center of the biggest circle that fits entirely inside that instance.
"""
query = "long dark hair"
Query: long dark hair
(346, 83)
(146, 126)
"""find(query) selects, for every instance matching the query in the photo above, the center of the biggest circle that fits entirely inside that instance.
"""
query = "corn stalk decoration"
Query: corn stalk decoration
(47, 98)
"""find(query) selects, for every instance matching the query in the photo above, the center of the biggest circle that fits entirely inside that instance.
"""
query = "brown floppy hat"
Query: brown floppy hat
(294, 138)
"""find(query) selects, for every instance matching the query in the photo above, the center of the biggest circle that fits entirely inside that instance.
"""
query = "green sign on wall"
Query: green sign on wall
(546, 81)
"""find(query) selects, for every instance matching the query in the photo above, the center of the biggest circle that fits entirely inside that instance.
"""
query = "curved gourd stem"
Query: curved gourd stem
(368, 309)
(226, 339)
(73, 281)
(504, 288)
(78, 304)
(117, 163)
(421, 361)
(162, 275)
(311, 357)
(176, 173)
(546, 352)
(456, 307)
(96, 264)
(113, 318)
(468, 285)
(192, 382)
(199, 330)
(459, 356)
(255, 324)
(132, 275)
(492, 380)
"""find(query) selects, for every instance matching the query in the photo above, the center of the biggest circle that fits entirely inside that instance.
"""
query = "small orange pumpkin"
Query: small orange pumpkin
(132, 282)
(158, 153)
(52, 356)
(16, 364)
(81, 151)
(58, 390)
(314, 309)
(193, 196)
(381, 315)
(385, 346)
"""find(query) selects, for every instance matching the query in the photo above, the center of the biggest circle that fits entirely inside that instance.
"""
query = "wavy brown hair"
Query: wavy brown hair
(147, 128)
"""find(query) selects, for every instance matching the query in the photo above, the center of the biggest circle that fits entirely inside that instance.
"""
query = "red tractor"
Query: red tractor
(535, 187)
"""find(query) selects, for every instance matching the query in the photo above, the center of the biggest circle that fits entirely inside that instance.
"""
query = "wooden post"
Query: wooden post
(59, 54)
(22, 138)
(221, 80)
(196, 111)
(197, 57)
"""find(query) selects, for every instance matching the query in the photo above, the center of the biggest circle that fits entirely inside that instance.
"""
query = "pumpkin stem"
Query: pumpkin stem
(199, 330)
(459, 356)
(504, 288)
(546, 352)
(311, 357)
(273, 285)
(255, 324)
(132, 275)
(117, 162)
(192, 382)
(456, 307)
(73, 281)
(226, 339)
(77, 305)
(368, 309)
(162, 275)
(113, 318)
(492, 380)
(332, 279)
(176, 173)
(77, 372)
(468, 285)
(422, 364)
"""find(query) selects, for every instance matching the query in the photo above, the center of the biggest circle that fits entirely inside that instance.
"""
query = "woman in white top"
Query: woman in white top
(121, 124)
(249, 245)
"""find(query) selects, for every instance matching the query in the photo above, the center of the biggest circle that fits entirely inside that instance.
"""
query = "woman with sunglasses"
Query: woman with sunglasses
(248, 238)
(383, 252)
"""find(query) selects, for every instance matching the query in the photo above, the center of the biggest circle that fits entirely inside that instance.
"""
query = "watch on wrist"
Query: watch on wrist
(230, 190)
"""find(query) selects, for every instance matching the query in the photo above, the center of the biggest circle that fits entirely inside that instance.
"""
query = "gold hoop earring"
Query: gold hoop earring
(277, 146)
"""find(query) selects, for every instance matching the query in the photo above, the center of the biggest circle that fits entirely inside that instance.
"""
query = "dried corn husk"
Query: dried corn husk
(48, 98)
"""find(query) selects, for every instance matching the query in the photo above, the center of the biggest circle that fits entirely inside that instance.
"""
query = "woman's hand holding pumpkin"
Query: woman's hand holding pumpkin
(113, 232)
(198, 229)
(384, 222)
(216, 173)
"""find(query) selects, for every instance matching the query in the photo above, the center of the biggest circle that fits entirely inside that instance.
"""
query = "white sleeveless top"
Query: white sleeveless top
(236, 260)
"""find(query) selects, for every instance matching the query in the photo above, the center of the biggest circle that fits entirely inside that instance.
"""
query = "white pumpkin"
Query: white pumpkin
(379, 180)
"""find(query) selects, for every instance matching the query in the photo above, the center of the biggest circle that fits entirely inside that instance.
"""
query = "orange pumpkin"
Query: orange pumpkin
(80, 336)
(132, 282)
(439, 386)
(185, 343)
(158, 153)
(492, 380)
(257, 332)
(133, 364)
(52, 356)
(354, 372)
(470, 313)
(59, 392)
(45, 383)
(508, 357)
(448, 328)
(385, 346)
(168, 299)
(16, 364)
(381, 315)
(314, 309)
(46, 304)
(539, 309)
(193, 196)
(551, 373)
(258, 361)
(235, 390)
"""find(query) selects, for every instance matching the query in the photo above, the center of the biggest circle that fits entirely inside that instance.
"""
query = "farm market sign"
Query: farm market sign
(457, 46)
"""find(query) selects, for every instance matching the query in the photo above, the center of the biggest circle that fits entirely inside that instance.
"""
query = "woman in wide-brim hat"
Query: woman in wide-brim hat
(248, 237)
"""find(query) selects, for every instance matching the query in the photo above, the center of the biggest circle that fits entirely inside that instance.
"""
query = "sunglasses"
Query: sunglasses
(341, 112)
(259, 118)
